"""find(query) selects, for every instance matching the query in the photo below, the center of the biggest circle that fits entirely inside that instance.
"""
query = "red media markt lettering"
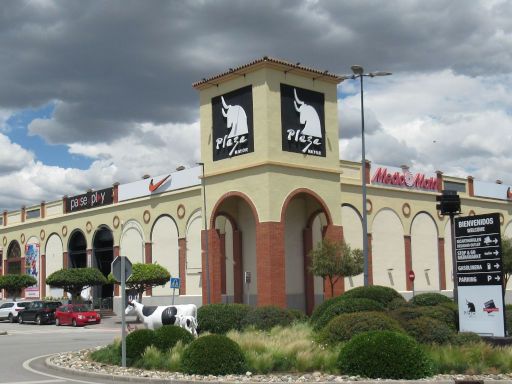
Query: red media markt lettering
(411, 275)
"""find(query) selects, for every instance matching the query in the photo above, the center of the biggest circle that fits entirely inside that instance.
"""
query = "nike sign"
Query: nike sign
(154, 187)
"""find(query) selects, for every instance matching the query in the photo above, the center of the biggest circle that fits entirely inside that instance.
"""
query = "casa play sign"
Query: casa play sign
(403, 178)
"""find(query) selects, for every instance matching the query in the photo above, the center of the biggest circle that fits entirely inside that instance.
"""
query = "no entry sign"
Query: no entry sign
(412, 276)
(479, 274)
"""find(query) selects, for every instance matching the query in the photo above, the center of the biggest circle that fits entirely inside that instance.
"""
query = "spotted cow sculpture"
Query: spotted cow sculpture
(154, 317)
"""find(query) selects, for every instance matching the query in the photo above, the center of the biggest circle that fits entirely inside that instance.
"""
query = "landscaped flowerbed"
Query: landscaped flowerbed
(408, 340)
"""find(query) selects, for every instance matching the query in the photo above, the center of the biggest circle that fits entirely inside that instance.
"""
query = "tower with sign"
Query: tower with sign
(269, 141)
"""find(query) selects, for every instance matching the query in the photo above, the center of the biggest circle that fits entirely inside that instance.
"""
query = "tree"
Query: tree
(331, 261)
(14, 283)
(506, 252)
(144, 276)
(75, 280)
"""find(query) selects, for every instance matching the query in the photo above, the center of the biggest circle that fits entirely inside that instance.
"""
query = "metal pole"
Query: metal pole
(123, 316)
(454, 262)
(363, 177)
(207, 261)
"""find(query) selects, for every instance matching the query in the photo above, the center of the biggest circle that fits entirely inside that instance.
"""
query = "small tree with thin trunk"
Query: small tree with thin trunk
(331, 261)
(506, 254)
(143, 277)
(75, 280)
(15, 283)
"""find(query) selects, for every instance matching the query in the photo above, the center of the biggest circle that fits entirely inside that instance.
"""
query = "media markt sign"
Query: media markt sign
(479, 274)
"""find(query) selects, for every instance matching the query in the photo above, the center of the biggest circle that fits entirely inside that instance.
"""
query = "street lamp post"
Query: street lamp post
(359, 73)
(207, 261)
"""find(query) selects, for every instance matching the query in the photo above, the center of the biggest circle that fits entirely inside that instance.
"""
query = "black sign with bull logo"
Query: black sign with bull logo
(302, 120)
(232, 128)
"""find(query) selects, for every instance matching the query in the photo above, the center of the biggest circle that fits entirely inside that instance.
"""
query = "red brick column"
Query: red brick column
(148, 259)
(214, 266)
(23, 214)
(439, 175)
(471, 188)
(5, 218)
(115, 193)
(309, 282)
(65, 260)
(42, 276)
(238, 267)
(370, 260)
(222, 244)
(42, 212)
(408, 261)
(182, 252)
(334, 233)
(442, 265)
(270, 264)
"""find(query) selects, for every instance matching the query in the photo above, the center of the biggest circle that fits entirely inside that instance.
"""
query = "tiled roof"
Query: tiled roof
(265, 60)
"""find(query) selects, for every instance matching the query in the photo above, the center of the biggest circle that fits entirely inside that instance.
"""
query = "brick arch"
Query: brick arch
(312, 194)
(243, 196)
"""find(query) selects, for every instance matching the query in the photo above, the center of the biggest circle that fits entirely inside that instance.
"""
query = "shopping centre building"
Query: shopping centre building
(271, 187)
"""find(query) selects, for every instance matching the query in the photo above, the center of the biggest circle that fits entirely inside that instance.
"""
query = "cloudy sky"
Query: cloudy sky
(93, 92)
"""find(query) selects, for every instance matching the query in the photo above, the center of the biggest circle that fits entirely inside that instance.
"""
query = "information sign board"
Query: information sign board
(479, 274)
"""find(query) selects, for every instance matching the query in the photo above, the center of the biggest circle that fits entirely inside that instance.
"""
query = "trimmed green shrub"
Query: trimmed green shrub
(438, 312)
(508, 318)
(386, 355)
(398, 303)
(345, 326)
(298, 315)
(430, 299)
(427, 330)
(268, 317)
(221, 318)
(465, 338)
(213, 355)
(383, 295)
(346, 306)
(167, 336)
(319, 311)
(137, 342)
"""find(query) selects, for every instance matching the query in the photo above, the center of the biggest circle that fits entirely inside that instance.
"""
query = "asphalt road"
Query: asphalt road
(23, 346)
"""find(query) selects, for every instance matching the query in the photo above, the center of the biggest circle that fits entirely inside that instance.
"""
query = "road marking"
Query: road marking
(37, 381)
(26, 366)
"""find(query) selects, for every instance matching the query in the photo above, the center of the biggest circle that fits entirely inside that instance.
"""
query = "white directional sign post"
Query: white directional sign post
(121, 268)
(479, 275)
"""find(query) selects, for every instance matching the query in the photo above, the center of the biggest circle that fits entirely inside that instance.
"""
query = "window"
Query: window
(452, 186)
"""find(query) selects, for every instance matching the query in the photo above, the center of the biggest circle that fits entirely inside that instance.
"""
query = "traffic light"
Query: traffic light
(448, 203)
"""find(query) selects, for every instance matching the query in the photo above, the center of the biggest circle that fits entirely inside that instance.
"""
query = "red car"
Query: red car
(75, 315)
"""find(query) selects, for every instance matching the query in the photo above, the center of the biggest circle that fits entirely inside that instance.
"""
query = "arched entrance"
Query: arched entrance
(306, 221)
(13, 264)
(77, 250)
(234, 248)
(103, 255)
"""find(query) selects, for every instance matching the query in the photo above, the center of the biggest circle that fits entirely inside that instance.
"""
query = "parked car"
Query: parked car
(75, 315)
(39, 312)
(9, 311)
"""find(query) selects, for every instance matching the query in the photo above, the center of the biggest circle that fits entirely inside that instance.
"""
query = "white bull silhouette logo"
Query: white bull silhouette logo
(236, 119)
(308, 116)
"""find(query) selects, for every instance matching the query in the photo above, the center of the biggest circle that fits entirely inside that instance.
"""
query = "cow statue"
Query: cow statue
(308, 116)
(236, 119)
(154, 317)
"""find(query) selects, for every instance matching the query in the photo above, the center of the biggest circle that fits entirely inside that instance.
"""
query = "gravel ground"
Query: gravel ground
(78, 361)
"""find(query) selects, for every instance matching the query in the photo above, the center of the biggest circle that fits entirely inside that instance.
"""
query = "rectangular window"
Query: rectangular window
(452, 186)
(33, 214)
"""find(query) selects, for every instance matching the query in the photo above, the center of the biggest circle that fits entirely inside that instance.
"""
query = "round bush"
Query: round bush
(465, 338)
(430, 299)
(385, 355)
(137, 342)
(345, 326)
(319, 311)
(439, 312)
(383, 295)
(167, 336)
(221, 318)
(266, 318)
(213, 355)
(346, 306)
(427, 330)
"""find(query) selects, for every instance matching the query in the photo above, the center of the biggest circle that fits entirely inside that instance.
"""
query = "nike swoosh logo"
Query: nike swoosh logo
(154, 187)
